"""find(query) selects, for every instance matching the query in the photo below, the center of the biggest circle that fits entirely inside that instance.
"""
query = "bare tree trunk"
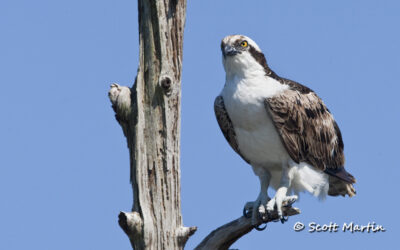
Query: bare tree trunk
(149, 114)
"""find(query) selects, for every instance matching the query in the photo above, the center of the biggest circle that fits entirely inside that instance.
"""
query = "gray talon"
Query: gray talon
(258, 228)
(246, 213)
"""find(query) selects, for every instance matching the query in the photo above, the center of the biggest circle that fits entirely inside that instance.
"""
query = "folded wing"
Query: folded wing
(308, 130)
(225, 125)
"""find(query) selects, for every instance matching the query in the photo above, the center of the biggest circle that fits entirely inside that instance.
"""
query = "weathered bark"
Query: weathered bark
(223, 237)
(149, 114)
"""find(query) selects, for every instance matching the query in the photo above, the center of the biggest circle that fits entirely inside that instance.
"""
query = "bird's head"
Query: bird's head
(241, 56)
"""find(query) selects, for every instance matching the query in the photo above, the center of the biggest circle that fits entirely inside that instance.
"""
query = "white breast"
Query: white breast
(256, 135)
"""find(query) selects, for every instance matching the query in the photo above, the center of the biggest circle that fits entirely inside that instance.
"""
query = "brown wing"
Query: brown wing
(225, 124)
(308, 130)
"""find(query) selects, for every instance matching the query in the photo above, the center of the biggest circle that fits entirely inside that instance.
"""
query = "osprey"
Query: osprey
(281, 128)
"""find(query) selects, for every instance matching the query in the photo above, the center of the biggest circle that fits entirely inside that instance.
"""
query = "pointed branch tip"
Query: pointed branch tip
(130, 222)
(120, 97)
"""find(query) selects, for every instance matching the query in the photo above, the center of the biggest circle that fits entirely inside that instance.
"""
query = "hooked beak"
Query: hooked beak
(230, 51)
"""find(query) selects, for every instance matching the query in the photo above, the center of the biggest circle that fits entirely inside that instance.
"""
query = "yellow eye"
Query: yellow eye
(244, 44)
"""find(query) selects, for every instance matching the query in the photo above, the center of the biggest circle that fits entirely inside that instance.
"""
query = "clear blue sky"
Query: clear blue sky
(64, 161)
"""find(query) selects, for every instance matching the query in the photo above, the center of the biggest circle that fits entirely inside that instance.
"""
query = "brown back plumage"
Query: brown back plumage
(307, 128)
(310, 134)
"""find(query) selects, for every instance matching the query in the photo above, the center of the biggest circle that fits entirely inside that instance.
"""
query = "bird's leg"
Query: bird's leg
(281, 195)
(263, 198)
(257, 209)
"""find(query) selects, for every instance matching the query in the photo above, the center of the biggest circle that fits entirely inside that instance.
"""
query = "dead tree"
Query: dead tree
(149, 114)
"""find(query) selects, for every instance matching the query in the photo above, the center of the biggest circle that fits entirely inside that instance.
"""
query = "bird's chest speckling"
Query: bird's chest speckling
(256, 134)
